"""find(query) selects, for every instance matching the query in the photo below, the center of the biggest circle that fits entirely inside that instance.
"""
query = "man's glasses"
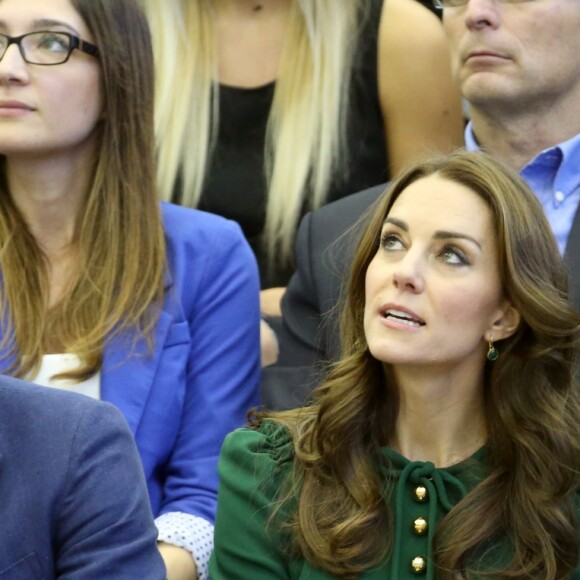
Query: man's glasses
(46, 47)
(440, 4)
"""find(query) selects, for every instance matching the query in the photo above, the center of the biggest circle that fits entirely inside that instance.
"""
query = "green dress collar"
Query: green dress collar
(437, 489)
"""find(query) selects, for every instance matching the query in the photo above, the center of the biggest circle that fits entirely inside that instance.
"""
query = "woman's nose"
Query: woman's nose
(409, 274)
(13, 67)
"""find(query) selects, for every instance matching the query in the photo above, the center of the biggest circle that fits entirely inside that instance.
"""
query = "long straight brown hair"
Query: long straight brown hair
(342, 523)
(118, 241)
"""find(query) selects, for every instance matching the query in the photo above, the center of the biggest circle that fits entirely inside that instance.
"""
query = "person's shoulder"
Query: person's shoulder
(400, 16)
(351, 206)
(196, 228)
(16, 394)
(54, 412)
(422, 10)
(270, 443)
(270, 438)
(178, 214)
(322, 227)
(187, 223)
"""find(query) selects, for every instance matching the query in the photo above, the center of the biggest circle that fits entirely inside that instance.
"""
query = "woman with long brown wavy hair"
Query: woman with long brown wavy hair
(445, 442)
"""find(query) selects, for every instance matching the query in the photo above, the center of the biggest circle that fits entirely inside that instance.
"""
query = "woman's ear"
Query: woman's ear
(506, 324)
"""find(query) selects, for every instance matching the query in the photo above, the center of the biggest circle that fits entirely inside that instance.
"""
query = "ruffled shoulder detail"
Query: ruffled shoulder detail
(276, 441)
(257, 462)
(264, 455)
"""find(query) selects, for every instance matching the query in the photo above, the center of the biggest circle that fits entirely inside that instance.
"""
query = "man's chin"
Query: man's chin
(488, 89)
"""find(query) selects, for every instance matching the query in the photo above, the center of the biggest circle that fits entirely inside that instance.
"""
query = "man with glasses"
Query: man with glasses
(517, 64)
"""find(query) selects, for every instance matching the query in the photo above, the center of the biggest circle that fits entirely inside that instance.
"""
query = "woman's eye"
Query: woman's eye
(391, 242)
(453, 256)
(53, 42)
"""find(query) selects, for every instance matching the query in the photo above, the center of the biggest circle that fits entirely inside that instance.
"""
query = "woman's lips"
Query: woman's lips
(401, 315)
(9, 108)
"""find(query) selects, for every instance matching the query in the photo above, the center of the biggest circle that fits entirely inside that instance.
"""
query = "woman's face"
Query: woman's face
(433, 292)
(47, 110)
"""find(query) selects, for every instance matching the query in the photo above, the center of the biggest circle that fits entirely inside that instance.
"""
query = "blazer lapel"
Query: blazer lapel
(129, 370)
(572, 257)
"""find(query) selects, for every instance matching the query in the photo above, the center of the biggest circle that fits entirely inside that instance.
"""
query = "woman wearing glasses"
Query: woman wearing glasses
(104, 293)
(446, 441)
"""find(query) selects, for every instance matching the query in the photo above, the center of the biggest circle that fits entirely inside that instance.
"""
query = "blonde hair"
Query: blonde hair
(118, 230)
(305, 135)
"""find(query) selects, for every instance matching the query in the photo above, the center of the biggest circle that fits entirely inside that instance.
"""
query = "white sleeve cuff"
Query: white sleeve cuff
(191, 533)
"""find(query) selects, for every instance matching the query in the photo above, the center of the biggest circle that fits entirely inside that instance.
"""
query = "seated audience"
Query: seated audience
(266, 108)
(525, 110)
(74, 500)
(154, 309)
(445, 441)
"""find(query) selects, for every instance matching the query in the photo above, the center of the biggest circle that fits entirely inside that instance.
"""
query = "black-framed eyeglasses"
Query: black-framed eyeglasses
(46, 47)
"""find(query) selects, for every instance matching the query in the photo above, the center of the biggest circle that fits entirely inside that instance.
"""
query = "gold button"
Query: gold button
(420, 526)
(421, 494)
(418, 564)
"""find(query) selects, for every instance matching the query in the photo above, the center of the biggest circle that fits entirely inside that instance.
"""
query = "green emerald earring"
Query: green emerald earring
(492, 353)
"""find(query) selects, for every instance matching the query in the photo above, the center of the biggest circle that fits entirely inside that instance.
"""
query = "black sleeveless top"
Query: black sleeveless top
(236, 185)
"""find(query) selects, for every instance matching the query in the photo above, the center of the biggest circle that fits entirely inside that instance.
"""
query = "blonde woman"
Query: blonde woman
(267, 108)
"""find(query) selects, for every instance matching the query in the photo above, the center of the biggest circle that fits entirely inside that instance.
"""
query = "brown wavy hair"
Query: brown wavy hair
(342, 523)
(119, 241)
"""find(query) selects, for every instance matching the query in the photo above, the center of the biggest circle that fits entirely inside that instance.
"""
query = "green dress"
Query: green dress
(255, 463)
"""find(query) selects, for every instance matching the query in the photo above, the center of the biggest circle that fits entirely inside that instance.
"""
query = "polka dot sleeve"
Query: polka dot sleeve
(192, 533)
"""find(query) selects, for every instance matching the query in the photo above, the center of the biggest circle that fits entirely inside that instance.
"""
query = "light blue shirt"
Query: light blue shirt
(554, 176)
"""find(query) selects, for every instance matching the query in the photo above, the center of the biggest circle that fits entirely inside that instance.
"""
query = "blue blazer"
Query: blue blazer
(204, 373)
(181, 399)
(74, 502)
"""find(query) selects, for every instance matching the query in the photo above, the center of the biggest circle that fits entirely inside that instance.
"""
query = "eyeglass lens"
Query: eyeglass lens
(41, 47)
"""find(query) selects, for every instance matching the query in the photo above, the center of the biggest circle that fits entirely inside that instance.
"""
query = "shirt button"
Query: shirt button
(418, 565)
(420, 526)
(559, 195)
(421, 494)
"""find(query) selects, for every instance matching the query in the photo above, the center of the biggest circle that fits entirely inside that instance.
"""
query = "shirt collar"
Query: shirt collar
(568, 150)
(571, 153)
(470, 141)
